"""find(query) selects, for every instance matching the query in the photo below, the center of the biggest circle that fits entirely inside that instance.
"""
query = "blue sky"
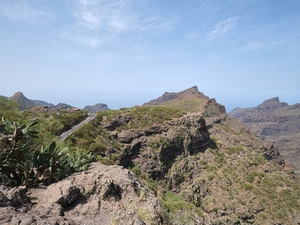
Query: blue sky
(127, 52)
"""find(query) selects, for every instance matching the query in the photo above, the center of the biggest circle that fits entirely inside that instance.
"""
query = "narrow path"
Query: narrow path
(66, 134)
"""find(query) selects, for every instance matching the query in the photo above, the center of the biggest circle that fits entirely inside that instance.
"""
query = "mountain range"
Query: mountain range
(25, 103)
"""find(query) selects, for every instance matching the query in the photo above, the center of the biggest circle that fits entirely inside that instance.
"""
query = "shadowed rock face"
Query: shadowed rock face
(185, 136)
(275, 122)
(101, 195)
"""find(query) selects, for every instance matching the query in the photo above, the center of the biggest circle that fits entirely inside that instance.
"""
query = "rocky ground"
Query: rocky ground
(101, 195)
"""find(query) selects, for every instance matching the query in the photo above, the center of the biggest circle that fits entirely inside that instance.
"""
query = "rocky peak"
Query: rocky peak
(190, 100)
(188, 94)
(193, 91)
(214, 109)
(24, 103)
(18, 94)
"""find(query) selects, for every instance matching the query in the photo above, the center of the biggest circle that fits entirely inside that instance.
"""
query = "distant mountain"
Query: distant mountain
(96, 108)
(275, 122)
(62, 106)
(42, 103)
(24, 103)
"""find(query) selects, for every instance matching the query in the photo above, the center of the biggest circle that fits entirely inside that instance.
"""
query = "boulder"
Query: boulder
(101, 195)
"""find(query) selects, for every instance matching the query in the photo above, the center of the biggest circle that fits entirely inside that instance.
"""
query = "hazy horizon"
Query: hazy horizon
(228, 99)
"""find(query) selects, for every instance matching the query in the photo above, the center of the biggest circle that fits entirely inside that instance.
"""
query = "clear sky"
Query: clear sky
(127, 52)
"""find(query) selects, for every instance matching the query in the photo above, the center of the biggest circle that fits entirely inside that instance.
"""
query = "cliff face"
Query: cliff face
(277, 123)
(204, 167)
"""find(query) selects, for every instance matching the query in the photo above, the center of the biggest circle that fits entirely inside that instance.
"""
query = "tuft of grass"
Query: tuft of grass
(234, 149)
(136, 170)
(247, 187)
(251, 176)
(174, 203)
(211, 176)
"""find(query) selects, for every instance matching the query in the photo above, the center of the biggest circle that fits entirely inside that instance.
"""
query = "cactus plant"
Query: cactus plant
(27, 166)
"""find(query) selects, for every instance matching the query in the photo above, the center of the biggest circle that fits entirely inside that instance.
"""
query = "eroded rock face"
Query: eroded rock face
(100, 195)
(154, 148)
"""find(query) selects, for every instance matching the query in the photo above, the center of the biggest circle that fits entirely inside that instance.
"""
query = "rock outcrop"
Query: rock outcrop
(100, 195)
(184, 136)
